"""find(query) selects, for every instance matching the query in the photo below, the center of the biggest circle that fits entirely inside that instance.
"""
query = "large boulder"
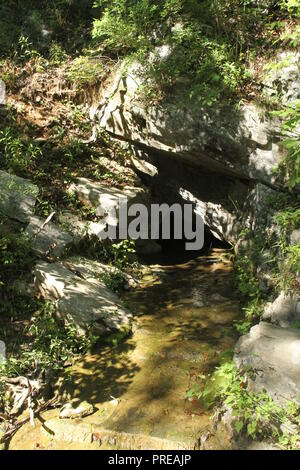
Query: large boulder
(102, 197)
(81, 299)
(17, 197)
(273, 353)
(284, 311)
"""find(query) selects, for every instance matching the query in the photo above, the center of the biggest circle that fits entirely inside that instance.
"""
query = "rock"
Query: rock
(105, 200)
(284, 311)
(48, 241)
(2, 93)
(273, 353)
(221, 222)
(283, 80)
(88, 268)
(2, 352)
(71, 410)
(17, 197)
(79, 228)
(216, 297)
(141, 162)
(86, 302)
(74, 431)
(23, 288)
(102, 197)
(241, 142)
(93, 269)
(295, 237)
(147, 247)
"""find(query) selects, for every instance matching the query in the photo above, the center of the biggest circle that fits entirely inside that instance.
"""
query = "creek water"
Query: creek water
(183, 321)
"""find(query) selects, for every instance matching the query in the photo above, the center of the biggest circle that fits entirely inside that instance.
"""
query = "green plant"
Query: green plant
(56, 54)
(27, 52)
(85, 71)
(290, 166)
(255, 413)
(113, 279)
(45, 344)
(123, 253)
(206, 45)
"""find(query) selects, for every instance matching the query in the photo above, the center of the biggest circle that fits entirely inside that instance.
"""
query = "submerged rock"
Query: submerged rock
(273, 353)
(72, 411)
(85, 302)
(147, 247)
(17, 197)
(69, 431)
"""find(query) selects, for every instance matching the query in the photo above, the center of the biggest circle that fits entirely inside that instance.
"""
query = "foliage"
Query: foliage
(290, 166)
(282, 260)
(45, 344)
(85, 71)
(207, 44)
(41, 21)
(288, 257)
(57, 55)
(15, 255)
(245, 266)
(254, 413)
(123, 253)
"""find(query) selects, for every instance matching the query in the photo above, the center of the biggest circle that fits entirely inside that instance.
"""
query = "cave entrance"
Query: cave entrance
(174, 250)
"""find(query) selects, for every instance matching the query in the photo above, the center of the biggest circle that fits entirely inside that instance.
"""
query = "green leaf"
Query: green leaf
(238, 426)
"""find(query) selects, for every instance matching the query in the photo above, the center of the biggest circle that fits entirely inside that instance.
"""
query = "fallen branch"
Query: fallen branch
(13, 427)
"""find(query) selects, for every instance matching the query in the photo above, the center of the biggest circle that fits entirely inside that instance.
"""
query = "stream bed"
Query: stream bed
(183, 322)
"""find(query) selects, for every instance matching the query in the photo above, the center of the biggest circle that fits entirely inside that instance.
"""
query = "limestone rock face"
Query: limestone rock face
(241, 142)
(17, 197)
(284, 78)
(273, 353)
(284, 311)
(220, 158)
(85, 302)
